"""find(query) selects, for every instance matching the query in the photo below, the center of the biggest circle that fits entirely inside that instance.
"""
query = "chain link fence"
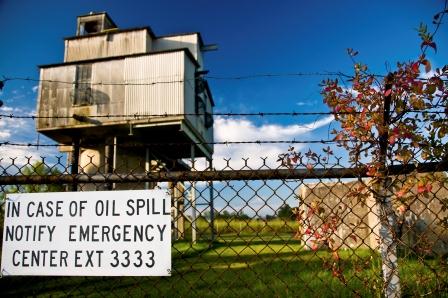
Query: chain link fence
(269, 231)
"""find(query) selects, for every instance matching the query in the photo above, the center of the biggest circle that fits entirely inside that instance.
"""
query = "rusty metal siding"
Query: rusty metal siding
(154, 84)
(151, 84)
(107, 45)
(57, 90)
(55, 96)
(107, 87)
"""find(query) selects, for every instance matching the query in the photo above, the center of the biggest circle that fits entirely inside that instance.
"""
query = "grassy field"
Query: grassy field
(248, 259)
(243, 227)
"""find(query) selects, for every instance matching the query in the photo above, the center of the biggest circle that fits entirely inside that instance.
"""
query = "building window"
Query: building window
(83, 91)
(89, 27)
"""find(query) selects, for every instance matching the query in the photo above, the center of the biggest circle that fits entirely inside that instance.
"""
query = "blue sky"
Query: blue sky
(254, 37)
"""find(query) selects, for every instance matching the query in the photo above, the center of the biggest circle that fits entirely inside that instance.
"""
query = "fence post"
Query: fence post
(194, 216)
(212, 205)
(108, 160)
(193, 198)
(74, 162)
(388, 243)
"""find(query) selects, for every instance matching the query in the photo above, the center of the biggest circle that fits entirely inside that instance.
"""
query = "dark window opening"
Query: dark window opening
(90, 27)
(83, 91)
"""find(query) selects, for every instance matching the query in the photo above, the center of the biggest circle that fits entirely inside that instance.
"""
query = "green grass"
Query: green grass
(243, 227)
(245, 265)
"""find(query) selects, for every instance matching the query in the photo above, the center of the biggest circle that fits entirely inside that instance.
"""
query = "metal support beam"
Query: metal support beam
(108, 161)
(193, 200)
(212, 206)
(74, 163)
(171, 176)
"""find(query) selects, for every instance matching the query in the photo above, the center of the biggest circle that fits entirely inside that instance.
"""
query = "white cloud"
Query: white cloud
(6, 109)
(4, 135)
(35, 88)
(14, 127)
(20, 131)
(258, 155)
(306, 103)
(351, 90)
(14, 157)
(427, 75)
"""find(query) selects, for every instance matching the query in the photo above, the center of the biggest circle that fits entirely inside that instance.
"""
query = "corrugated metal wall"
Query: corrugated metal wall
(54, 97)
(162, 79)
(107, 45)
(151, 84)
(107, 89)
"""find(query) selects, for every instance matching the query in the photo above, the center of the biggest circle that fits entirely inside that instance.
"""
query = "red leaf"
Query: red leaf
(429, 44)
(421, 188)
(415, 67)
(392, 139)
(387, 92)
(427, 65)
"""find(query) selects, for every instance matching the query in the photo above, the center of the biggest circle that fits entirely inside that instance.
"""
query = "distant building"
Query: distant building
(421, 227)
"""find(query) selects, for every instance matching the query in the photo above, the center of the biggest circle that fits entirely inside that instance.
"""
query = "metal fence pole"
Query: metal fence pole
(108, 160)
(212, 206)
(74, 163)
(193, 213)
(193, 199)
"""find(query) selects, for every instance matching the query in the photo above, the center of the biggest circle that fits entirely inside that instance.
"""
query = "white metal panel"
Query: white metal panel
(189, 41)
(154, 84)
(107, 45)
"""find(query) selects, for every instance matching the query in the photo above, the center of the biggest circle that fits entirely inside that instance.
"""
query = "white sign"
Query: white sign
(101, 233)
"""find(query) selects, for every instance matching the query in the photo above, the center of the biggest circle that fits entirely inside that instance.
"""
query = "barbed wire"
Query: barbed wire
(95, 83)
(227, 143)
(258, 142)
(221, 114)
(243, 77)
(237, 77)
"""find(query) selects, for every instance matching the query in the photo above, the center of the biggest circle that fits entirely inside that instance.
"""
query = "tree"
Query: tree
(285, 212)
(400, 119)
(38, 168)
(387, 120)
